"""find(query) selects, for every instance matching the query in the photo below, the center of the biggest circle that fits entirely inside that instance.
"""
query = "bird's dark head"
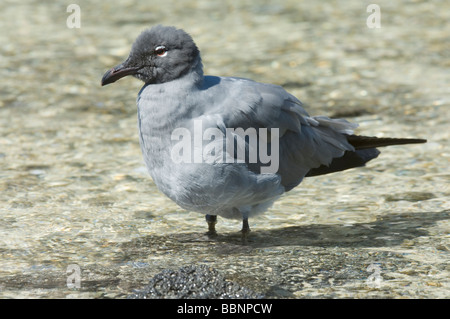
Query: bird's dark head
(160, 54)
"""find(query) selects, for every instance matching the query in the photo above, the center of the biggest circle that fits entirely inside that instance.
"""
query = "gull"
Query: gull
(229, 146)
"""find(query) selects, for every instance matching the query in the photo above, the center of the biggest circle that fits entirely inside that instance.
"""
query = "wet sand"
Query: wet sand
(74, 189)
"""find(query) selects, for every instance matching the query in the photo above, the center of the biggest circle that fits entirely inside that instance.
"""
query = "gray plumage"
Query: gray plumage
(176, 94)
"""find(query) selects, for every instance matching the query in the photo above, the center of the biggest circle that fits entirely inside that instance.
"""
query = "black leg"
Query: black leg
(211, 220)
(245, 230)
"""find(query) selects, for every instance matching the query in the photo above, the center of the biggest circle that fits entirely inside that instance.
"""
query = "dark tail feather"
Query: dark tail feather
(364, 142)
(364, 151)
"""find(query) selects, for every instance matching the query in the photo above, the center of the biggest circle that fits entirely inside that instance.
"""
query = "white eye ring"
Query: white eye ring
(161, 51)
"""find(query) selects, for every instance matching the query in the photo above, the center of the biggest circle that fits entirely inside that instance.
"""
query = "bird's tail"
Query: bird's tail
(365, 142)
(365, 150)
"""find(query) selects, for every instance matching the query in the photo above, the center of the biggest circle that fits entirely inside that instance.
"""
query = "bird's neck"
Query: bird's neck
(166, 105)
(194, 77)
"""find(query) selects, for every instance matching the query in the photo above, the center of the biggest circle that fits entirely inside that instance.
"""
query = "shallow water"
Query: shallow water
(73, 188)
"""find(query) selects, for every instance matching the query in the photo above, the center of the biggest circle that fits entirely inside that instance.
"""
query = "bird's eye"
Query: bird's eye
(161, 51)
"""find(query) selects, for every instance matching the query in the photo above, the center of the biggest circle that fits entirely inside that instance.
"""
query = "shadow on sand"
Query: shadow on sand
(390, 230)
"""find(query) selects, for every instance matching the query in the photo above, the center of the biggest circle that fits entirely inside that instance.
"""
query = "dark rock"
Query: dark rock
(192, 282)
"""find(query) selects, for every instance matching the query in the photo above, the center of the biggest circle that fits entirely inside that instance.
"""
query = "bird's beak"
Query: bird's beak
(118, 72)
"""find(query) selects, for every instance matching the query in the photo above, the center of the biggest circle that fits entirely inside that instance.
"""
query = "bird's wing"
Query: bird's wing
(305, 142)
